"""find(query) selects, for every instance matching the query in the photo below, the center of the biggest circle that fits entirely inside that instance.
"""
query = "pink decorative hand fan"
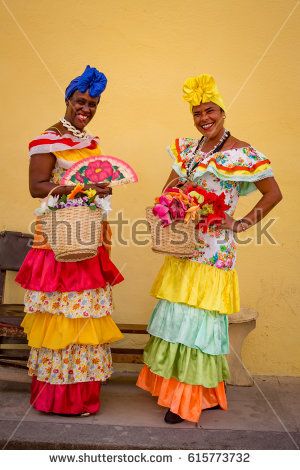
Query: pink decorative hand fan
(100, 169)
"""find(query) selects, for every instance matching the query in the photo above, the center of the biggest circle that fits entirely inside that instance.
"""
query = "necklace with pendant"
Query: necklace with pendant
(73, 130)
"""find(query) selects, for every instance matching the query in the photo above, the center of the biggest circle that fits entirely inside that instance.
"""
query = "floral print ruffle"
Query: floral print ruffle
(76, 363)
(94, 303)
(240, 165)
(232, 160)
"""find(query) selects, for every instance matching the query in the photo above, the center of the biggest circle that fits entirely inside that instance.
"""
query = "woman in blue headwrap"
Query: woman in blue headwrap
(68, 305)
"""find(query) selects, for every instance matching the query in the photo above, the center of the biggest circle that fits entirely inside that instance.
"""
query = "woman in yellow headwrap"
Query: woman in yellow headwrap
(185, 364)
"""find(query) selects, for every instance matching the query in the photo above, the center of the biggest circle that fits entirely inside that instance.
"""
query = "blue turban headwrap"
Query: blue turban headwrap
(91, 80)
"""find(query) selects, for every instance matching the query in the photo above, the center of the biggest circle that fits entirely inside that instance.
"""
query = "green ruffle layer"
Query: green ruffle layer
(196, 328)
(187, 365)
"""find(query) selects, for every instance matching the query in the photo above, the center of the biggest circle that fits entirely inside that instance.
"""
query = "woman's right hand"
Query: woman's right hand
(40, 171)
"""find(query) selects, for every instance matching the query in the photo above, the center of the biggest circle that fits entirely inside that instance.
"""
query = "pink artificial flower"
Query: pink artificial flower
(99, 171)
(161, 211)
(177, 209)
(165, 200)
(169, 208)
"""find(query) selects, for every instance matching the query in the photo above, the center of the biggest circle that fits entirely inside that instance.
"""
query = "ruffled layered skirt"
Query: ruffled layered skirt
(185, 364)
(69, 328)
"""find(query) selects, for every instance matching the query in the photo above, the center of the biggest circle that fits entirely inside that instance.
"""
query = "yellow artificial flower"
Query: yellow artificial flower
(199, 197)
(191, 214)
(90, 193)
(202, 89)
(207, 209)
(78, 189)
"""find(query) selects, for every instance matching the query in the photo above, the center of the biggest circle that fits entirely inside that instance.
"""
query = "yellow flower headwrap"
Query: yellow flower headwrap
(202, 89)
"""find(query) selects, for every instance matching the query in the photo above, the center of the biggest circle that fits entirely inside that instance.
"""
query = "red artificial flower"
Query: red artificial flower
(216, 202)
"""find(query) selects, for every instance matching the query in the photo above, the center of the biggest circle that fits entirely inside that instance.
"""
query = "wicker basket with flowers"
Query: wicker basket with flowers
(178, 215)
(72, 223)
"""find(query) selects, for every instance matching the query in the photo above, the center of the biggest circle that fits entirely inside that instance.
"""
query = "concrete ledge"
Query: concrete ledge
(14, 374)
(32, 435)
(265, 416)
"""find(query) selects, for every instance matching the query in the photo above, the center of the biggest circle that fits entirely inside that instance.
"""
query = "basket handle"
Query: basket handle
(59, 186)
(172, 181)
(53, 189)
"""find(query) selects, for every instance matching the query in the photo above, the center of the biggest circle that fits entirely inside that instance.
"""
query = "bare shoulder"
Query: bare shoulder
(237, 143)
(58, 128)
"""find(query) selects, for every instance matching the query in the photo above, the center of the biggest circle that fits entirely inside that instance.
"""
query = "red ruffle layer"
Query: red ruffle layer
(71, 399)
(41, 272)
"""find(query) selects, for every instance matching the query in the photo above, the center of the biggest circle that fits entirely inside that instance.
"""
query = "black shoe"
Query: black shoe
(172, 418)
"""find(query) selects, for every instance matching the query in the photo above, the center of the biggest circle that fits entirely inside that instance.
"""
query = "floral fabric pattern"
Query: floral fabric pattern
(231, 172)
(217, 247)
(57, 173)
(76, 363)
(216, 251)
(93, 303)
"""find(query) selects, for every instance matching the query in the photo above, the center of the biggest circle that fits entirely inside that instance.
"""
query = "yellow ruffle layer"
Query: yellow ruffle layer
(198, 285)
(45, 330)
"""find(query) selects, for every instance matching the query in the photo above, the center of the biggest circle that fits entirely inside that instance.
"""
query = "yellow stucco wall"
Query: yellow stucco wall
(147, 49)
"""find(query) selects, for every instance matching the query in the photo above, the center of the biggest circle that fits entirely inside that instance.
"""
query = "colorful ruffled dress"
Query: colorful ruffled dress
(185, 364)
(68, 307)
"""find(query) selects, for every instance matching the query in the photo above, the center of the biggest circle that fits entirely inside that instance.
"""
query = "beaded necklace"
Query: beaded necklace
(73, 130)
(194, 161)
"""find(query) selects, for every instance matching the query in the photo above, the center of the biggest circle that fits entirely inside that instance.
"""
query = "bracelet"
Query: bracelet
(244, 227)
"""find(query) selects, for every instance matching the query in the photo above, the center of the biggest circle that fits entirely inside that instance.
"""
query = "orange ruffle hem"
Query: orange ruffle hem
(186, 400)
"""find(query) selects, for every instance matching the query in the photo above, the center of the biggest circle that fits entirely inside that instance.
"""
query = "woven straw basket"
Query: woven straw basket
(73, 233)
(177, 239)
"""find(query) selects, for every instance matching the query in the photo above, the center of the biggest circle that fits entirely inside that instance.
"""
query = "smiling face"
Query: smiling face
(209, 119)
(81, 108)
